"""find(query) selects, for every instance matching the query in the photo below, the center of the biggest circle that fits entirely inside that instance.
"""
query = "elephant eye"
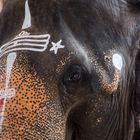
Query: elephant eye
(73, 74)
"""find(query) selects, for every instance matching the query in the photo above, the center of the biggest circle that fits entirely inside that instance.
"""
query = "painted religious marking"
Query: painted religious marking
(27, 42)
(7, 92)
(56, 46)
(27, 19)
(24, 41)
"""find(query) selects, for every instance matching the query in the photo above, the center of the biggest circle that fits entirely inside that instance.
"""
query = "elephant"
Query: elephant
(69, 70)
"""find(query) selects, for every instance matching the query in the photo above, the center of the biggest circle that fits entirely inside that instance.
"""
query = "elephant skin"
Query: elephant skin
(69, 70)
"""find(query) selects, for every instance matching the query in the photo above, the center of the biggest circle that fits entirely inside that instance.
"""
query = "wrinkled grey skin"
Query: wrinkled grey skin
(77, 94)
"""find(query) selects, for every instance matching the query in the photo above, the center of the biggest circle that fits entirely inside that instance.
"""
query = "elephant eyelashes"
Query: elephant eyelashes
(73, 74)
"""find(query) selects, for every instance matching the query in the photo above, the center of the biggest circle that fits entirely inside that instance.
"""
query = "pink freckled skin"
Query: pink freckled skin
(34, 107)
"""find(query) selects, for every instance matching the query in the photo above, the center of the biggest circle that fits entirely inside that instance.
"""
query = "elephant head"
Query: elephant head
(67, 69)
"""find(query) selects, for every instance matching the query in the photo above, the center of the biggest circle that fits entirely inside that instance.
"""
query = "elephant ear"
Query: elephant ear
(137, 97)
(134, 14)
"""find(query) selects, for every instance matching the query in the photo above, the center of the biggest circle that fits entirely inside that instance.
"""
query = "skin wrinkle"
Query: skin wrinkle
(120, 44)
(107, 86)
(75, 45)
(112, 5)
(40, 109)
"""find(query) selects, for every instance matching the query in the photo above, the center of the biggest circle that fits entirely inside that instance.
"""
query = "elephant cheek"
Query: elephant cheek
(33, 111)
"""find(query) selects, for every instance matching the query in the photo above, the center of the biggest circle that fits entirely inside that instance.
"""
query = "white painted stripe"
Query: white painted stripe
(36, 43)
(22, 49)
(32, 37)
(10, 62)
(8, 92)
(27, 19)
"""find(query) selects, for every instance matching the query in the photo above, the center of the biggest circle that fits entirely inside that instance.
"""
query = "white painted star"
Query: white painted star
(57, 46)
